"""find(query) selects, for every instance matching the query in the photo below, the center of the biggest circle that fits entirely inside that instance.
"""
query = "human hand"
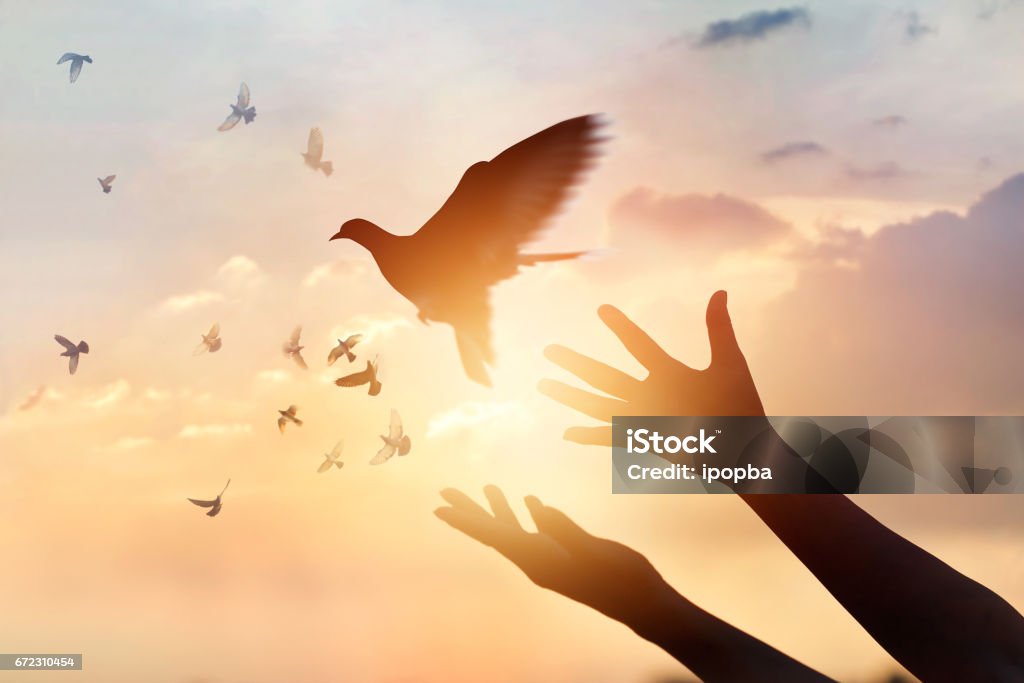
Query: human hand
(608, 576)
(725, 388)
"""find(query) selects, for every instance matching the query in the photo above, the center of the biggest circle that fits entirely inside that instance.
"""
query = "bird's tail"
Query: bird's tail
(534, 259)
(351, 356)
(327, 167)
(374, 388)
(339, 464)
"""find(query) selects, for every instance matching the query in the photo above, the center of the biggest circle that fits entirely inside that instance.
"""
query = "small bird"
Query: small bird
(72, 351)
(315, 152)
(211, 341)
(240, 110)
(344, 348)
(288, 416)
(332, 458)
(214, 504)
(474, 241)
(367, 376)
(33, 399)
(292, 349)
(105, 183)
(76, 63)
(395, 442)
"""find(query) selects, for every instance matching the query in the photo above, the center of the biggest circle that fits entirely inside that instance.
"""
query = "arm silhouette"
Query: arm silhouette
(620, 583)
(938, 623)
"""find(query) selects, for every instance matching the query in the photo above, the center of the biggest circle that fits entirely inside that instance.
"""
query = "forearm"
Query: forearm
(911, 602)
(715, 650)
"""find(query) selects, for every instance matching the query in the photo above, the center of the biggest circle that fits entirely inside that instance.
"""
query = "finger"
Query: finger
(589, 436)
(482, 528)
(460, 501)
(636, 341)
(557, 524)
(724, 347)
(499, 504)
(598, 407)
(595, 373)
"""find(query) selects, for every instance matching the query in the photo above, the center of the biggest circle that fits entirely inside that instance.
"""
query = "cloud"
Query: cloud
(888, 170)
(890, 121)
(33, 399)
(915, 27)
(108, 395)
(273, 376)
(326, 271)
(240, 271)
(185, 302)
(193, 431)
(475, 414)
(792, 150)
(707, 224)
(373, 328)
(752, 26)
(927, 321)
(130, 443)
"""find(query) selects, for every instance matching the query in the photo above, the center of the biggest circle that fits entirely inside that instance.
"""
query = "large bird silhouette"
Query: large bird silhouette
(446, 268)
(214, 505)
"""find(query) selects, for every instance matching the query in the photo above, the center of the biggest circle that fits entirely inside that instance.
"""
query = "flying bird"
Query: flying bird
(395, 442)
(344, 348)
(240, 110)
(288, 416)
(76, 63)
(106, 182)
(33, 399)
(214, 504)
(72, 351)
(315, 152)
(211, 341)
(332, 458)
(367, 376)
(293, 350)
(474, 241)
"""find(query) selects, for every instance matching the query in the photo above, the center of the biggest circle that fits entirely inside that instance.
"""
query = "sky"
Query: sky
(848, 171)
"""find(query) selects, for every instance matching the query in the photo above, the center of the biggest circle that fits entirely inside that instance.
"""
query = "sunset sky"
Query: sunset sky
(848, 172)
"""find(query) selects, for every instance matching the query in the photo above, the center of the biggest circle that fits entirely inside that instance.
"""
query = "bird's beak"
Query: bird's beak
(336, 236)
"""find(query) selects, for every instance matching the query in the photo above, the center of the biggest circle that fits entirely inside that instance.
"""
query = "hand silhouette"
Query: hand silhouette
(670, 388)
(620, 583)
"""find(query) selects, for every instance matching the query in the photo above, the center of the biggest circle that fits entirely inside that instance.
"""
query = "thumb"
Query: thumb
(724, 347)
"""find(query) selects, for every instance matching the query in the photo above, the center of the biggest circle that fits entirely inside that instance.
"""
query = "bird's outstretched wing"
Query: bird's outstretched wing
(76, 69)
(324, 466)
(214, 330)
(502, 204)
(73, 363)
(336, 451)
(353, 339)
(203, 503)
(109, 179)
(292, 409)
(386, 452)
(336, 353)
(230, 122)
(243, 96)
(201, 349)
(315, 144)
(281, 423)
(299, 360)
(356, 378)
(65, 342)
(66, 57)
(395, 426)
(294, 338)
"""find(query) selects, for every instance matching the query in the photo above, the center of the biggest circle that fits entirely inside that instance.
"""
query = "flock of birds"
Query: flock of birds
(447, 267)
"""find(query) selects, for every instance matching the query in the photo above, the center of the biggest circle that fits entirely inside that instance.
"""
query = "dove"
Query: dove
(214, 504)
(332, 458)
(76, 63)
(72, 351)
(367, 376)
(105, 183)
(344, 348)
(315, 152)
(240, 110)
(211, 341)
(395, 442)
(33, 399)
(292, 349)
(288, 416)
(474, 241)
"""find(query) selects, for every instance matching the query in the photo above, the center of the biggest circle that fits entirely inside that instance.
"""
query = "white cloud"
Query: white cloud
(184, 302)
(372, 328)
(275, 376)
(333, 269)
(109, 395)
(475, 414)
(130, 443)
(193, 431)
(240, 271)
